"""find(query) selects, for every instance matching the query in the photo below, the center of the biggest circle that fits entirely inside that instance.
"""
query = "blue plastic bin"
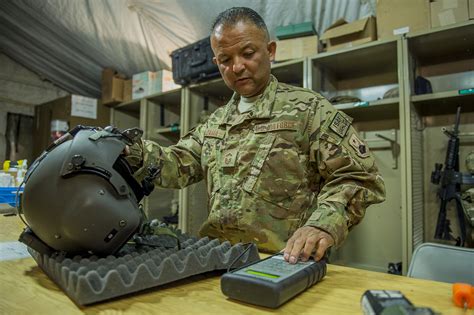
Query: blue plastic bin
(8, 195)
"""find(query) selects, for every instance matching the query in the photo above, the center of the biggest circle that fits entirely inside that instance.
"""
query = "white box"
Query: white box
(144, 84)
(148, 83)
(167, 82)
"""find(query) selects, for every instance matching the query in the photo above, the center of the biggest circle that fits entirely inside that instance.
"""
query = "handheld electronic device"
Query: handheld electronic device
(390, 302)
(272, 281)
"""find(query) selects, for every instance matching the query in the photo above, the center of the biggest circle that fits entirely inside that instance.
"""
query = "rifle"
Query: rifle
(451, 180)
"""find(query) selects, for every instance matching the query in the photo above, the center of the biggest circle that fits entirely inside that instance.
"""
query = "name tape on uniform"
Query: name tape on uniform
(278, 125)
(214, 133)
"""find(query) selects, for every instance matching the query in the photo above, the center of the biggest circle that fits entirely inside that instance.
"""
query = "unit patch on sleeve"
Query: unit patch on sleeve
(360, 147)
(340, 124)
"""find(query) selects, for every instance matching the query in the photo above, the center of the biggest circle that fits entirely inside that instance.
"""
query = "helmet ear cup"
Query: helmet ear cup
(96, 220)
(81, 210)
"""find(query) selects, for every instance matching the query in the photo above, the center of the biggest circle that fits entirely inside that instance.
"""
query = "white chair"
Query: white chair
(442, 263)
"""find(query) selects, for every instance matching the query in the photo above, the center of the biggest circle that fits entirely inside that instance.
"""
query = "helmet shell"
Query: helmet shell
(76, 200)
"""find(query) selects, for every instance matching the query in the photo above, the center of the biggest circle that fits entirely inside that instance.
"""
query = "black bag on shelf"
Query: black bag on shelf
(193, 63)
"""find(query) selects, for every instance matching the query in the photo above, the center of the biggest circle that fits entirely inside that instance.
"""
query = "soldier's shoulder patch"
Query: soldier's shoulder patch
(340, 124)
(359, 146)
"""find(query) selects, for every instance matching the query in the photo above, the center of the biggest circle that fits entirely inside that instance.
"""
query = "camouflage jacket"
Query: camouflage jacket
(292, 160)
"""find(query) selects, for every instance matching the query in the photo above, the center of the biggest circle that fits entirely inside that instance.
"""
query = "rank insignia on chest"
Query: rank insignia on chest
(229, 158)
(340, 124)
(360, 147)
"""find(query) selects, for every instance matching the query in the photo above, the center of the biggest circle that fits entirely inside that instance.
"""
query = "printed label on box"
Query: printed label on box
(401, 30)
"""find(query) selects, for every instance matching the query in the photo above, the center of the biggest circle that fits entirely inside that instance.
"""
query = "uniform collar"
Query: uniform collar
(263, 106)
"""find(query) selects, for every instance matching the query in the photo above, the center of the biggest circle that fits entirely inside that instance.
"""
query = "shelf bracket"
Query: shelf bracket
(392, 145)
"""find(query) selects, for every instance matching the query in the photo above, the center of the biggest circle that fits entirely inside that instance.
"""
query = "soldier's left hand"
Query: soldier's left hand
(126, 150)
(304, 242)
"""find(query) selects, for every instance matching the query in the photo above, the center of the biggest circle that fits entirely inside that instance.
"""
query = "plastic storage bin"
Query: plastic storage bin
(8, 195)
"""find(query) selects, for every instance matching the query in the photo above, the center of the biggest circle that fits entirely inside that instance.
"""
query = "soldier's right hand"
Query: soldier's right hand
(304, 242)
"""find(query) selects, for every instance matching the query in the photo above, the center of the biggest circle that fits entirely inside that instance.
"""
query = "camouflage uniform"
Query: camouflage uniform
(292, 160)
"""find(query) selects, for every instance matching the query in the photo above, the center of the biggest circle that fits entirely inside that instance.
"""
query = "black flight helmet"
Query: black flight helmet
(80, 195)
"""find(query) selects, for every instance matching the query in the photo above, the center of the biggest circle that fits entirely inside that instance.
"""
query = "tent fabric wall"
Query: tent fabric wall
(69, 42)
(20, 90)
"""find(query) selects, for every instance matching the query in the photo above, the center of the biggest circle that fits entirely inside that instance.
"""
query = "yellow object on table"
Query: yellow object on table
(26, 289)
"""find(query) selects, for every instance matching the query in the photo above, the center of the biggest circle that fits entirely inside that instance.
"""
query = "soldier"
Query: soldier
(283, 168)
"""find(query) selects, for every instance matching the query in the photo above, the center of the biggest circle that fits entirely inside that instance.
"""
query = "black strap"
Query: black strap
(121, 165)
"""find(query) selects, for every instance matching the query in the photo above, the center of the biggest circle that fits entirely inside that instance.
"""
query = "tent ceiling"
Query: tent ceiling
(69, 42)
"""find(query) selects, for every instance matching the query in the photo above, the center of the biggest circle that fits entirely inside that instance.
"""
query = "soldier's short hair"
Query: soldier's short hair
(234, 15)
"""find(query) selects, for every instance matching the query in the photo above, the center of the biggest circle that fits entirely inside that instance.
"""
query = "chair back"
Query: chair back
(442, 263)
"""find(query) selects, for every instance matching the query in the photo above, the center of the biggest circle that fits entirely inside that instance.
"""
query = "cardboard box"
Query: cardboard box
(112, 87)
(148, 83)
(343, 35)
(296, 48)
(62, 110)
(127, 90)
(167, 83)
(143, 84)
(446, 12)
(402, 16)
(471, 9)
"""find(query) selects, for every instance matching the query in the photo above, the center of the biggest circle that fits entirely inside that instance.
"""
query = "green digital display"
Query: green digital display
(262, 274)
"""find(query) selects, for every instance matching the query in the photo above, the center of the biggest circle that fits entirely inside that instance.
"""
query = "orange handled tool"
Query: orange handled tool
(463, 295)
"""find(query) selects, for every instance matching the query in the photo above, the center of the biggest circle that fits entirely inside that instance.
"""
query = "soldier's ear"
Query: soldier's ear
(214, 60)
(271, 47)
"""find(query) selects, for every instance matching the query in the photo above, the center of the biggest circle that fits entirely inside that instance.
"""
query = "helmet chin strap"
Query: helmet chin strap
(30, 239)
(123, 168)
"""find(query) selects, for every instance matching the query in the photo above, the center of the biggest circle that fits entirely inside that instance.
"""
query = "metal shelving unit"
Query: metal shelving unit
(444, 56)
(368, 72)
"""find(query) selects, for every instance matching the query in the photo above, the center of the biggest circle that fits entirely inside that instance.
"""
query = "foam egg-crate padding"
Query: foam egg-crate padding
(93, 279)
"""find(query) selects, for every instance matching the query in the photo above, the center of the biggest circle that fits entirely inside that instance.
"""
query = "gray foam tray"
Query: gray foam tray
(93, 279)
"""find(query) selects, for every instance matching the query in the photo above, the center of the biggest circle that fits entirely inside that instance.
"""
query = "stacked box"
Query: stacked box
(148, 83)
(402, 16)
(296, 48)
(344, 35)
(445, 13)
(112, 87)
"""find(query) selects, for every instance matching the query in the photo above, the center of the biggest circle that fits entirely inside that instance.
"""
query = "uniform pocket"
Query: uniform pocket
(281, 175)
(209, 165)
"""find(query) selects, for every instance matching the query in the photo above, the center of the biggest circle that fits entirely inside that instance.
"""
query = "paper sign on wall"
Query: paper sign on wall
(82, 106)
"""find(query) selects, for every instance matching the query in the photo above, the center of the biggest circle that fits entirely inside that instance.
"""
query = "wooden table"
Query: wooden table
(26, 289)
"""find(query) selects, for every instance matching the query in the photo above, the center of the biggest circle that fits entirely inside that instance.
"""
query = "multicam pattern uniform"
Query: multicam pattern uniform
(293, 160)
